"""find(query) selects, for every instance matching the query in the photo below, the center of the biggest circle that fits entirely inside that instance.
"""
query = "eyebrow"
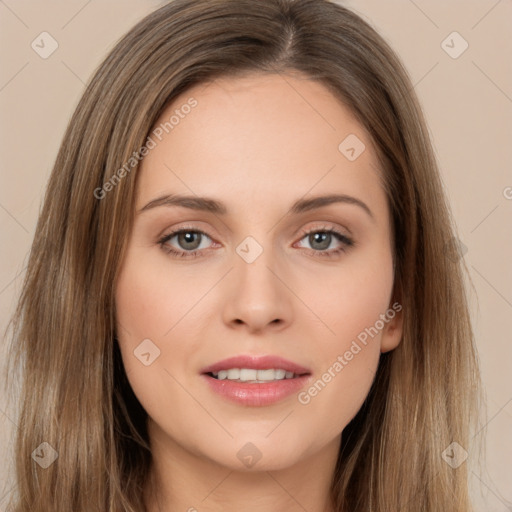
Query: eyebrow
(213, 206)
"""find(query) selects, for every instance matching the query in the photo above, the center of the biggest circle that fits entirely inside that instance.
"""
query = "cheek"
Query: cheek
(149, 305)
(154, 317)
(351, 305)
(350, 300)
(336, 396)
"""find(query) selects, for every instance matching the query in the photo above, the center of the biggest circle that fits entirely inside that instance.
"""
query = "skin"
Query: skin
(257, 144)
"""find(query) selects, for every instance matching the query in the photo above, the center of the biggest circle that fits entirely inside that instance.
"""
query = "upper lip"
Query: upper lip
(264, 362)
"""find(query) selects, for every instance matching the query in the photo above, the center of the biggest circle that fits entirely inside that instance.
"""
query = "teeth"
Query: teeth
(281, 374)
(252, 375)
(246, 374)
(233, 373)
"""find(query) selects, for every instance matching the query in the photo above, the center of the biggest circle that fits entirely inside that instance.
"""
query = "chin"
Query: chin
(259, 453)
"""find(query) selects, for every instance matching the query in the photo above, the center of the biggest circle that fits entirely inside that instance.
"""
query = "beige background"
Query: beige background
(468, 103)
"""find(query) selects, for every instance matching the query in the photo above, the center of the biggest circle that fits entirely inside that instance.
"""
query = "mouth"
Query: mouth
(255, 381)
(253, 376)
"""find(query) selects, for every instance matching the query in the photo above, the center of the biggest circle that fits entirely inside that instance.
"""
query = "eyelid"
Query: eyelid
(187, 228)
(324, 227)
(345, 240)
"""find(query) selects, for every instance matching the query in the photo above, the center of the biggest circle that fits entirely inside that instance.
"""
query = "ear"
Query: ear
(393, 328)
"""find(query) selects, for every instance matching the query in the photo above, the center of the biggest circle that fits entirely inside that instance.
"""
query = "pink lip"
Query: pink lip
(253, 394)
(256, 363)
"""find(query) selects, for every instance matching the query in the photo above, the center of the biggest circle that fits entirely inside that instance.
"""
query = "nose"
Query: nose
(258, 296)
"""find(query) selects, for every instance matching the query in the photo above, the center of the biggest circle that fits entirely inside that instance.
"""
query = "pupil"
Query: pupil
(323, 238)
(188, 238)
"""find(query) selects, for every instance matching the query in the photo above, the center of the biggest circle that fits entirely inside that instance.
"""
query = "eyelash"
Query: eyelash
(348, 242)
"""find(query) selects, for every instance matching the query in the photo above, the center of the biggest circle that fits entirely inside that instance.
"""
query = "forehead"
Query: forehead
(258, 134)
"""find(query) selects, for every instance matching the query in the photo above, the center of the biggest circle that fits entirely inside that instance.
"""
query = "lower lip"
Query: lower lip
(253, 394)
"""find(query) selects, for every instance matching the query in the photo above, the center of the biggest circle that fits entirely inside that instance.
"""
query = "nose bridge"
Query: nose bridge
(256, 264)
(258, 296)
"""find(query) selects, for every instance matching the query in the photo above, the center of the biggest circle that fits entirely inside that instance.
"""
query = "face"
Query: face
(263, 271)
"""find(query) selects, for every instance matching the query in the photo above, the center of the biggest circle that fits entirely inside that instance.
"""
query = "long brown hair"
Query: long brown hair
(74, 394)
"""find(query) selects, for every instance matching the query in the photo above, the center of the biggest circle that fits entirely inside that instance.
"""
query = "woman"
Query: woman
(186, 343)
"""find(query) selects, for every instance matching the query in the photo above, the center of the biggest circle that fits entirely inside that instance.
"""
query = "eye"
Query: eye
(190, 240)
(321, 239)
